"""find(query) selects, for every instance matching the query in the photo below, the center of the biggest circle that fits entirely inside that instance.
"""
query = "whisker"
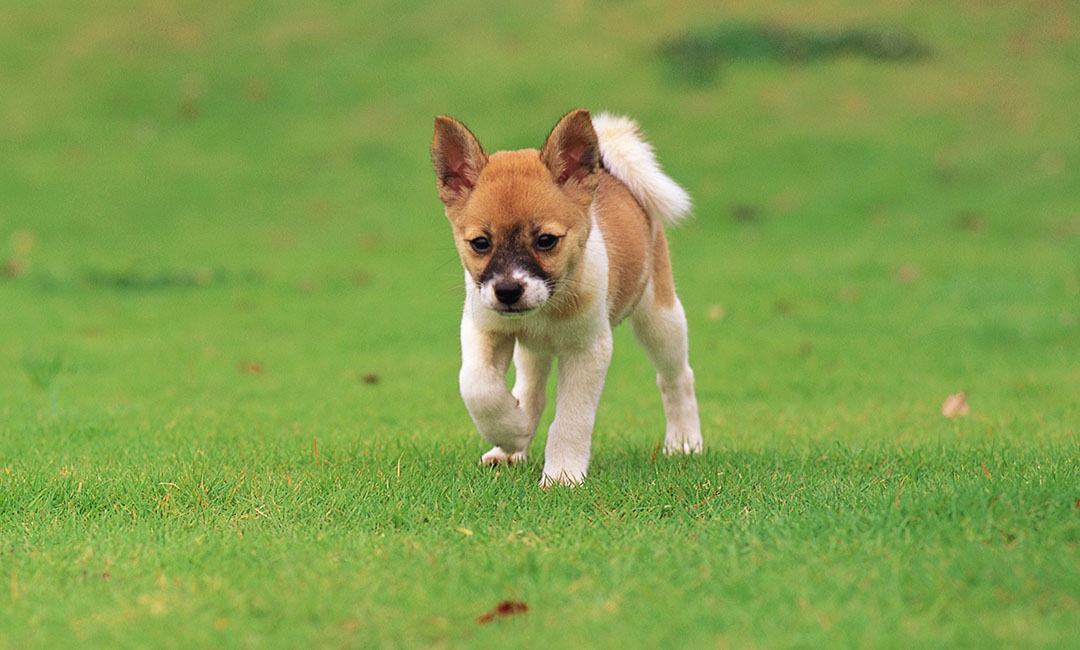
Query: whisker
(449, 261)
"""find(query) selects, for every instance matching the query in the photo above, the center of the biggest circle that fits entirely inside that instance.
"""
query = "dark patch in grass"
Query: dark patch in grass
(192, 89)
(745, 212)
(945, 174)
(970, 221)
(697, 56)
(134, 280)
(144, 280)
(783, 307)
(361, 277)
(370, 378)
(43, 370)
(13, 268)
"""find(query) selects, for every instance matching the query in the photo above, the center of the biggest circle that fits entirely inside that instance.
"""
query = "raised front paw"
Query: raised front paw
(496, 456)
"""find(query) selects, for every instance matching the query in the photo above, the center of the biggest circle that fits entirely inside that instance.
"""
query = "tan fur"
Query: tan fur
(628, 235)
(663, 282)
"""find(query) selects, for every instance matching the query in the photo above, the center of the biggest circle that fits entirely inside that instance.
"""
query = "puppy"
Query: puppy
(559, 246)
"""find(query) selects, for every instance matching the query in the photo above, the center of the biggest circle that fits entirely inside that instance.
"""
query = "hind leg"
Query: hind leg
(660, 325)
(530, 390)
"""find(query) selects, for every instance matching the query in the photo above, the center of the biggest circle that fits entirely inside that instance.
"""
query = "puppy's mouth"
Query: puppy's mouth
(516, 310)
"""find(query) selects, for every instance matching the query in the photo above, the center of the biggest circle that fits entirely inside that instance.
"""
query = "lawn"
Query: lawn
(229, 306)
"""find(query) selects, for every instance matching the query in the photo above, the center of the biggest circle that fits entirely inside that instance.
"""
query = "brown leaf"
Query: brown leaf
(503, 609)
(370, 378)
(955, 404)
(907, 274)
(253, 367)
(511, 607)
(13, 268)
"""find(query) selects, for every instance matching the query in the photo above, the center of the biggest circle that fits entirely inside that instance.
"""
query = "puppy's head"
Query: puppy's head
(520, 218)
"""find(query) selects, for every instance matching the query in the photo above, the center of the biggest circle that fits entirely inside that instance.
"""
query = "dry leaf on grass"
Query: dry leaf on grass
(955, 404)
(503, 609)
(907, 274)
(13, 268)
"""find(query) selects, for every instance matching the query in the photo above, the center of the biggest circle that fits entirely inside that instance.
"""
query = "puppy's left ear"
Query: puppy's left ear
(458, 159)
(571, 152)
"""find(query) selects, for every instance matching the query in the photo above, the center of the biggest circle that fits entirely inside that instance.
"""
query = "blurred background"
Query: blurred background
(228, 208)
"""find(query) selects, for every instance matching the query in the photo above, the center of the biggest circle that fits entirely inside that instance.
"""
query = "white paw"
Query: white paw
(683, 445)
(562, 477)
(496, 456)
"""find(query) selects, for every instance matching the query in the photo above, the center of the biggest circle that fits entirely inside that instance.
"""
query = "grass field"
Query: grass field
(228, 331)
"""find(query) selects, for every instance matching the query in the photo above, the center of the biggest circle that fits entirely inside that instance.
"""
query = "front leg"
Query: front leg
(532, 368)
(485, 357)
(581, 376)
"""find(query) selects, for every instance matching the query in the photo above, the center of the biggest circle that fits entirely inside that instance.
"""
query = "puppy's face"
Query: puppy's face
(520, 218)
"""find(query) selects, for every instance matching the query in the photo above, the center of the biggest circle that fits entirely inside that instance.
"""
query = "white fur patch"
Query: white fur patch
(536, 292)
(630, 159)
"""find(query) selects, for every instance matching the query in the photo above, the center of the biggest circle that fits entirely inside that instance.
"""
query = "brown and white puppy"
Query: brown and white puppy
(559, 246)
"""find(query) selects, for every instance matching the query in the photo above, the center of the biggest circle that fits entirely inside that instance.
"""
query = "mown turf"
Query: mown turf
(229, 305)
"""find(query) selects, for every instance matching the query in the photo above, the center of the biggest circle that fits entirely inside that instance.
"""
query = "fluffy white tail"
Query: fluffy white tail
(630, 159)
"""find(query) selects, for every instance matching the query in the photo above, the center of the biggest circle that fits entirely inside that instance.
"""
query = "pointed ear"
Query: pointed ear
(571, 151)
(458, 159)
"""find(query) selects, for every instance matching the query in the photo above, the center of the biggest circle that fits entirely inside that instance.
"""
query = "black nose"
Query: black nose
(508, 292)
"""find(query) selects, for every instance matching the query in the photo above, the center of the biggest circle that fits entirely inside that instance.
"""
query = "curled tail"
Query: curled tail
(629, 158)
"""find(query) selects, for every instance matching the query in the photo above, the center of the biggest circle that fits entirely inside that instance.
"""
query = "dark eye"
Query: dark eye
(480, 244)
(546, 242)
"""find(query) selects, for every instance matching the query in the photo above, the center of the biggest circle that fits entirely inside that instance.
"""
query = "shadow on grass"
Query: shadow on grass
(134, 280)
(698, 56)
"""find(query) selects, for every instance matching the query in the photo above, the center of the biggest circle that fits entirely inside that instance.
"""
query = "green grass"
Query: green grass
(228, 333)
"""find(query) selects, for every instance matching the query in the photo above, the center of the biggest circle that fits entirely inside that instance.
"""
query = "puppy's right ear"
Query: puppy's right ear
(458, 159)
